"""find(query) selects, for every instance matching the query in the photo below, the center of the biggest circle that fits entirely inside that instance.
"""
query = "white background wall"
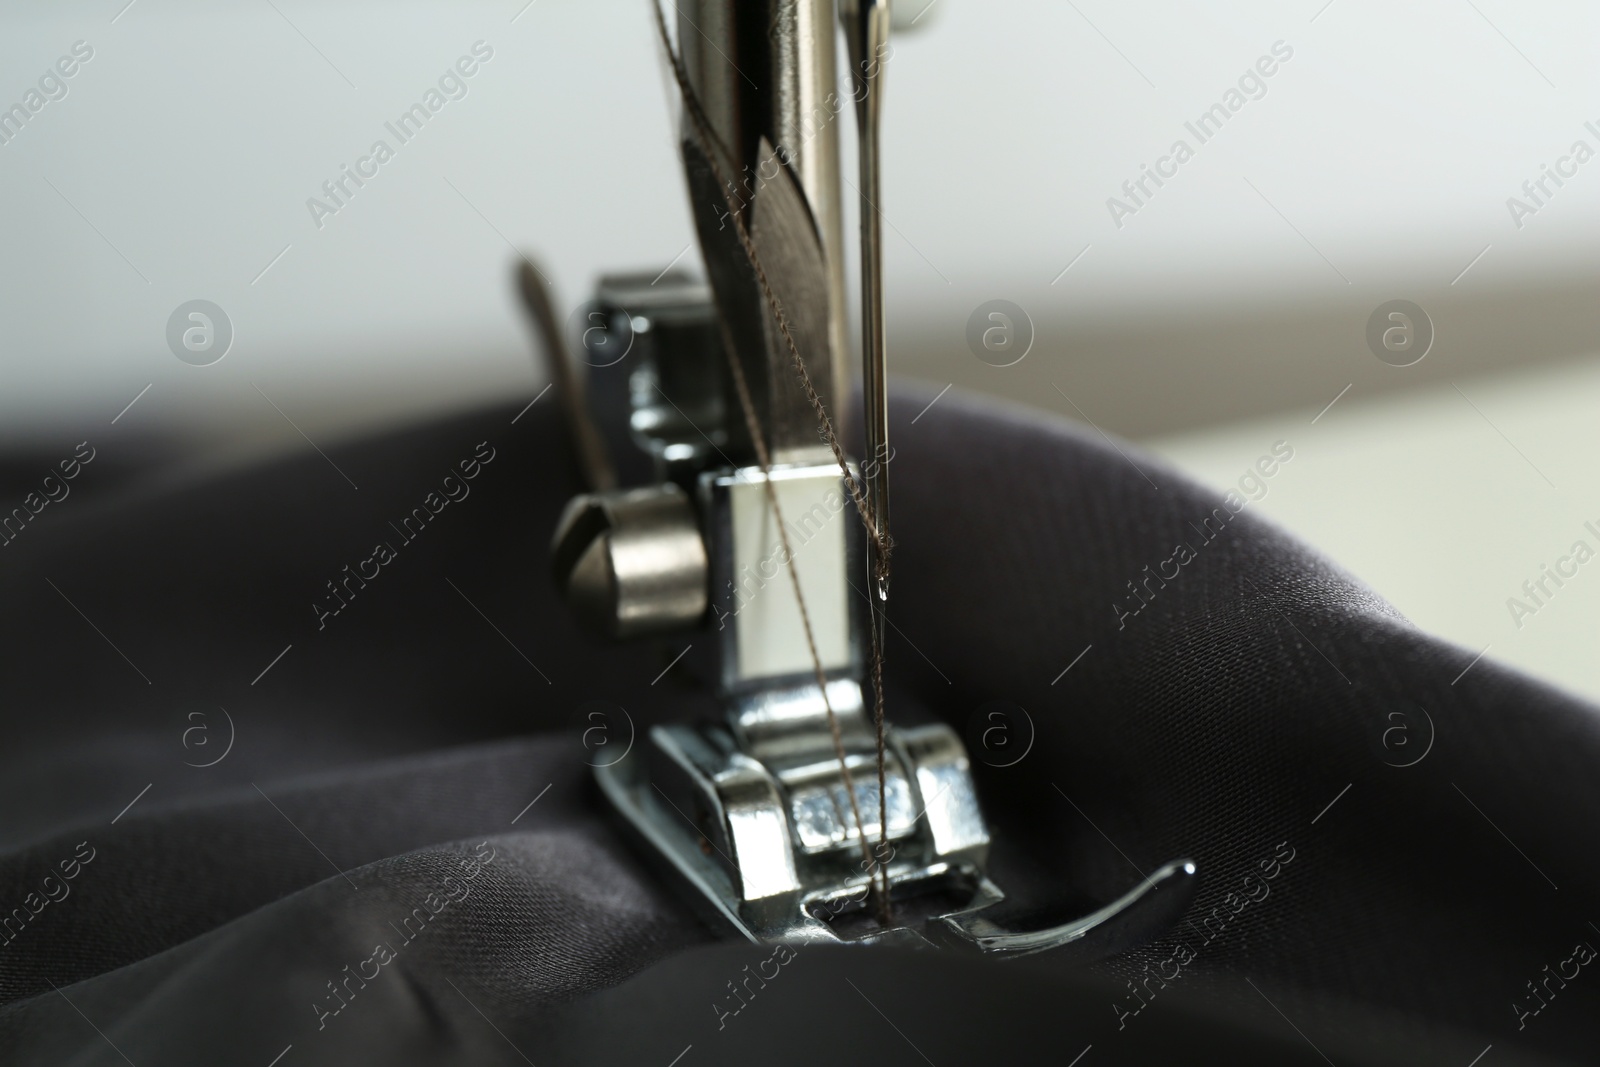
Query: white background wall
(1221, 317)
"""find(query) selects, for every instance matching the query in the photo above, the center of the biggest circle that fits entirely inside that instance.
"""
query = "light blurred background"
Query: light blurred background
(1225, 315)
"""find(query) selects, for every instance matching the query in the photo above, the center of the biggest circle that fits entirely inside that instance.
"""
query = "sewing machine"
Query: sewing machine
(702, 415)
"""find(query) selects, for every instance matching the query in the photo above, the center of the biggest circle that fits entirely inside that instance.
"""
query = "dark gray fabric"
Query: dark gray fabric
(391, 740)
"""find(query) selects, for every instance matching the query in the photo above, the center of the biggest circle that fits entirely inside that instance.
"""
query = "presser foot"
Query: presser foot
(767, 850)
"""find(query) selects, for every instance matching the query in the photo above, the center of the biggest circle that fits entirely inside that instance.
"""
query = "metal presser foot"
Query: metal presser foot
(760, 839)
(760, 813)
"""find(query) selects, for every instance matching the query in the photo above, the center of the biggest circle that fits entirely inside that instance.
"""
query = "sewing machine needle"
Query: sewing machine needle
(866, 26)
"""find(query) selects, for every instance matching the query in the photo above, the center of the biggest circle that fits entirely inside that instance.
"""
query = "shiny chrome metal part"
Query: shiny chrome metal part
(1141, 913)
(630, 562)
(764, 849)
(650, 342)
(765, 75)
(770, 814)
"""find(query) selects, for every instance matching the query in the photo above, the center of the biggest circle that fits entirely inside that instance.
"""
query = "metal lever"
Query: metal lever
(1138, 916)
